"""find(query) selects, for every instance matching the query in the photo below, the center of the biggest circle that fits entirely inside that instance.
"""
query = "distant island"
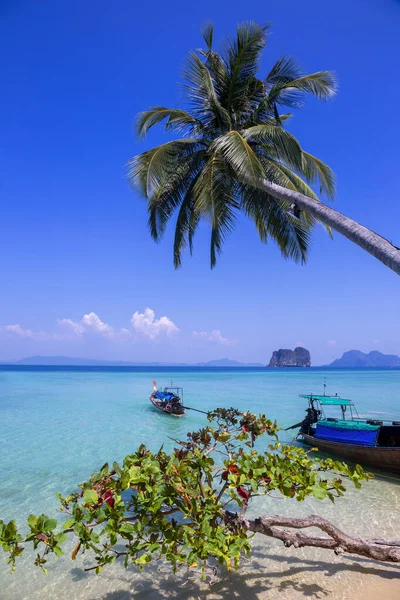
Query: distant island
(299, 357)
(67, 361)
(356, 358)
(226, 362)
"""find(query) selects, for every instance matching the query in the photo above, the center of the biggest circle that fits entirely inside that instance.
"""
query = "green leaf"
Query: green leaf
(319, 492)
(127, 528)
(224, 436)
(95, 537)
(145, 558)
(50, 524)
(61, 537)
(68, 523)
(90, 497)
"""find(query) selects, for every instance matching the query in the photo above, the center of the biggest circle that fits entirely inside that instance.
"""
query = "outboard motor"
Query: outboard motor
(312, 416)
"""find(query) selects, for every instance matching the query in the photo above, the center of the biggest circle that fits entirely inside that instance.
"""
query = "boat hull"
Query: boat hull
(164, 410)
(379, 457)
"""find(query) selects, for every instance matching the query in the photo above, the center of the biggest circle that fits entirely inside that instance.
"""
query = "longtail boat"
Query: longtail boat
(369, 442)
(169, 400)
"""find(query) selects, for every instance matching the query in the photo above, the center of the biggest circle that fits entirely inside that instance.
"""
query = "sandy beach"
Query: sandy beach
(273, 572)
(284, 574)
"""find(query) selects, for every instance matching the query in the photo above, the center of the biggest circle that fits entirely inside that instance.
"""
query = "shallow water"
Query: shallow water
(58, 426)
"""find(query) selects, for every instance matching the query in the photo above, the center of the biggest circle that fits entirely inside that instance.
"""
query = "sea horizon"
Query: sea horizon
(166, 367)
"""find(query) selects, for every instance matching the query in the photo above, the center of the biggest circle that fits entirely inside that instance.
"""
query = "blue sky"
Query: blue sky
(73, 236)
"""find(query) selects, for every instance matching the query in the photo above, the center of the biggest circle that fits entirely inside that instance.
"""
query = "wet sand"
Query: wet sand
(284, 574)
(281, 573)
(274, 572)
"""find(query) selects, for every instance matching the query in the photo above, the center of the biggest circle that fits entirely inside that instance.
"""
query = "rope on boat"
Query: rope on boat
(196, 409)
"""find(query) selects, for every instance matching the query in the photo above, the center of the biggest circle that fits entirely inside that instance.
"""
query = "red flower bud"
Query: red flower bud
(109, 499)
(242, 493)
(233, 469)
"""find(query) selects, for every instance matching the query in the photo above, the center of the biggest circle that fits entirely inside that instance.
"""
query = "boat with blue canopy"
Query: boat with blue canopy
(369, 442)
(169, 400)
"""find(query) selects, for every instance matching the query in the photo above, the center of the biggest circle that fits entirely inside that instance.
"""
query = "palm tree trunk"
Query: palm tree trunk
(370, 241)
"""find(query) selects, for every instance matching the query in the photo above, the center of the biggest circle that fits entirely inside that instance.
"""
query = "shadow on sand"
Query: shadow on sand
(252, 580)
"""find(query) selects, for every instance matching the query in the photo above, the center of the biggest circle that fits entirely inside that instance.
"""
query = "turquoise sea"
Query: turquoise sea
(58, 425)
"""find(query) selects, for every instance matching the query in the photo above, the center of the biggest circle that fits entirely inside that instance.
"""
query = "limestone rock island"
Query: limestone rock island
(299, 357)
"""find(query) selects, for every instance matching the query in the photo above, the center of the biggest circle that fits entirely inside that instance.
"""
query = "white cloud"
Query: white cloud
(27, 333)
(91, 323)
(332, 343)
(146, 324)
(74, 327)
(69, 329)
(215, 336)
(17, 330)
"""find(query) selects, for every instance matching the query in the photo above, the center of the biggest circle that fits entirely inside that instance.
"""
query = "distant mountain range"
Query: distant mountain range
(356, 358)
(226, 362)
(66, 361)
(350, 359)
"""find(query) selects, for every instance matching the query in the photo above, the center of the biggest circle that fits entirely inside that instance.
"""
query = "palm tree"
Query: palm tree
(235, 155)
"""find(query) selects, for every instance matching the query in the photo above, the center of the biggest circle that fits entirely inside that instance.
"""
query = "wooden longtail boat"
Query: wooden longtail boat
(368, 442)
(168, 400)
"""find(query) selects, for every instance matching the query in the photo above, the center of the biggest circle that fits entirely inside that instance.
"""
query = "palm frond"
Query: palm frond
(322, 85)
(222, 223)
(277, 172)
(214, 196)
(207, 32)
(186, 225)
(172, 193)
(282, 175)
(265, 112)
(274, 138)
(283, 118)
(284, 70)
(202, 95)
(273, 218)
(218, 71)
(293, 181)
(243, 56)
(148, 170)
(317, 171)
(156, 114)
(239, 155)
(292, 235)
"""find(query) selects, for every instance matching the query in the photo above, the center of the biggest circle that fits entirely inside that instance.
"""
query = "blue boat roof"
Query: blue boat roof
(328, 400)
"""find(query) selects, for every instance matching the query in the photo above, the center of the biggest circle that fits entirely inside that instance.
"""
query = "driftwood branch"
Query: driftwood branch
(338, 541)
